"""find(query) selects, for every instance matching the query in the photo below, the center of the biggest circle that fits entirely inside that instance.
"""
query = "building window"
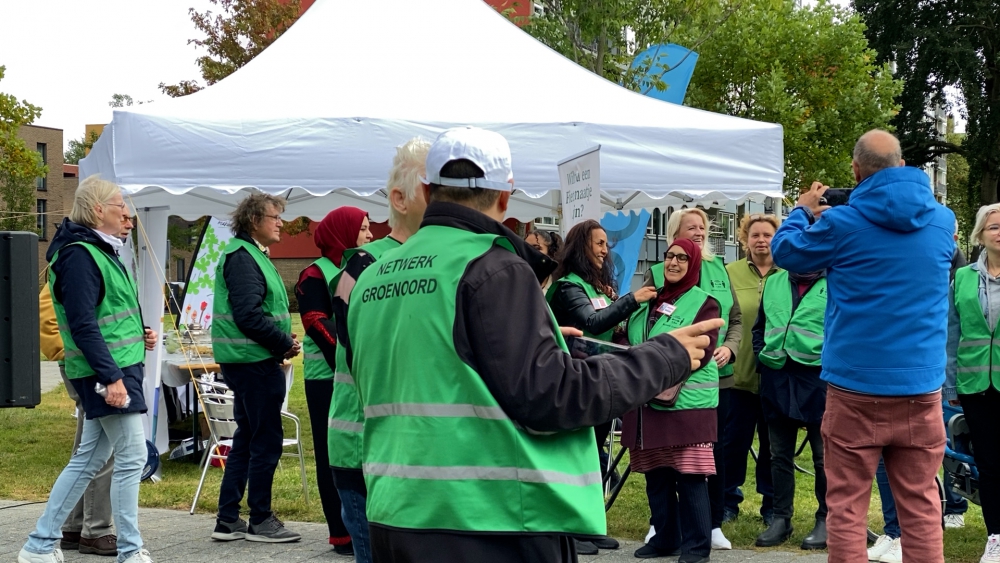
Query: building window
(40, 219)
(727, 226)
(41, 182)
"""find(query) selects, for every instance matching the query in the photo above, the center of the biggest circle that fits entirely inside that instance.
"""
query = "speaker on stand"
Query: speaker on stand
(20, 367)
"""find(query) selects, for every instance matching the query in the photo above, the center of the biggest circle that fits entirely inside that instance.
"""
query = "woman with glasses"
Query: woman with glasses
(670, 439)
(585, 296)
(973, 356)
(693, 224)
(745, 417)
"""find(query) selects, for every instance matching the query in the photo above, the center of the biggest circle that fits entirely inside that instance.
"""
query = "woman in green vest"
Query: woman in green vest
(343, 228)
(585, 296)
(973, 372)
(671, 442)
(548, 243)
(693, 224)
(788, 342)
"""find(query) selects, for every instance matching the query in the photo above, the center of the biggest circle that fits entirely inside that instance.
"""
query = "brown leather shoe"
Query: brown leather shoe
(70, 541)
(104, 545)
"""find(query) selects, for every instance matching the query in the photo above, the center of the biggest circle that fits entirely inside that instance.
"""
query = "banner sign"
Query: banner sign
(580, 188)
(626, 234)
(670, 66)
(199, 293)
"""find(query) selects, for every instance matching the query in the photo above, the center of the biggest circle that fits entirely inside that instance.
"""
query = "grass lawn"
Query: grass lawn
(37, 442)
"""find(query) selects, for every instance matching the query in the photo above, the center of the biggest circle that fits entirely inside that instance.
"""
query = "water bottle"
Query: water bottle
(103, 391)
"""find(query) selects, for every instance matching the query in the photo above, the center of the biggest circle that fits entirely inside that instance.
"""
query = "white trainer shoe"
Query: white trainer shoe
(954, 521)
(895, 553)
(992, 554)
(26, 556)
(141, 556)
(881, 546)
(719, 540)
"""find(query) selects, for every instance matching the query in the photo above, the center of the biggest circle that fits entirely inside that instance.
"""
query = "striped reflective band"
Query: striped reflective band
(227, 317)
(223, 317)
(112, 346)
(343, 378)
(103, 321)
(706, 385)
(435, 409)
(801, 356)
(774, 331)
(970, 343)
(244, 341)
(805, 332)
(314, 356)
(346, 426)
(775, 353)
(972, 369)
(479, 473)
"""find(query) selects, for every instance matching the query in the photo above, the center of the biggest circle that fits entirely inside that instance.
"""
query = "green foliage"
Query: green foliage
(936, 45)
(124, 100)
(78, 148)
(19, 165)
(233, 37)
(963, 197)
(808, 69)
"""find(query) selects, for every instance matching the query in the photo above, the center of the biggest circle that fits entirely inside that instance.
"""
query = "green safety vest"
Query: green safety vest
(229, 345)
(978, 346)
(346, 420)
(314, 364)
(439, 453)
(797, 335)
(117, 315)
(701, 390)
(592, 294)
(715, 281)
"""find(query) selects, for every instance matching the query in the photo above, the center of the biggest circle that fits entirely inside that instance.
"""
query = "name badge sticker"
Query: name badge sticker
(599, 303)
(666, 309)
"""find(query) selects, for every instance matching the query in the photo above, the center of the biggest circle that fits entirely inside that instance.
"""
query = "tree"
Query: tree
(962, 198)
(242, 30)
(808, 69)
(19, 165)
(935, 45)
(78, 148)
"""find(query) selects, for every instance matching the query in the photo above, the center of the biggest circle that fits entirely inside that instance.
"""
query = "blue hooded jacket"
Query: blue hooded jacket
(887, 255)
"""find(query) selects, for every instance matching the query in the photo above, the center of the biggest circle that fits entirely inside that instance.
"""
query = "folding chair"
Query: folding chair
(218, 410)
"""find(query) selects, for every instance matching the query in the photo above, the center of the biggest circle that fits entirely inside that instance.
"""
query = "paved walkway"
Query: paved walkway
(175, 536)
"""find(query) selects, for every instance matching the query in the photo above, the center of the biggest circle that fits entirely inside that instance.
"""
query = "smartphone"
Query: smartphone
(581, 347)
(836, 196)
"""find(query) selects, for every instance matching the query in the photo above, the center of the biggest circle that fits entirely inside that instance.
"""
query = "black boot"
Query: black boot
(584, 547)
(776, 534)
(648, 552)
(817, 537)
(605, 542)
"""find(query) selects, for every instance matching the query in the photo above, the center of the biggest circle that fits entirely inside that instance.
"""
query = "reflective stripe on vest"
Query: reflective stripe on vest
(418, 393)
(345, 421)
(592, 294)
(117, 316)
(314, 364)
(701, 390)
(978, 356)
(715, 281)
(792, 334)
(229, 345)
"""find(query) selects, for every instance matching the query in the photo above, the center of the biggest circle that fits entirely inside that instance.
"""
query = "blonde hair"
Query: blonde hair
(91, 192)
(981, 216)
(748, 221)
(406, 173)
(674, 228)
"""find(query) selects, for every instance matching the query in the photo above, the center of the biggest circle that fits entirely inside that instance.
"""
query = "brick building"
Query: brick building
(54, 192)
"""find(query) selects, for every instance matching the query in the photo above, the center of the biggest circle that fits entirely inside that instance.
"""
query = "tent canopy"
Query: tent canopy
(321, 111)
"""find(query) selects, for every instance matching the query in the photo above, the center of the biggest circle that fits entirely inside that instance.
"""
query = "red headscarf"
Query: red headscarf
(672, 291)
(339, 231)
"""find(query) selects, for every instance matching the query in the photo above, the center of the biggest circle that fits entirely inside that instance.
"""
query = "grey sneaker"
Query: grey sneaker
(271, 531)
(229, 531)
(26, 556)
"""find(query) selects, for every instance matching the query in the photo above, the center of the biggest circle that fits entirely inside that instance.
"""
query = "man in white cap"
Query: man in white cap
(477, 443)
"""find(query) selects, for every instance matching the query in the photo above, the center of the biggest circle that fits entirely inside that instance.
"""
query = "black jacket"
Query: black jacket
(247, 289)
(80, 289)
(572, 307)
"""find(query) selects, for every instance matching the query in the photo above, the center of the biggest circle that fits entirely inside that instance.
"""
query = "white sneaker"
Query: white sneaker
(895, 553)
(881, 546)
(26, 556)
(992, 554)
(719, 540)
(649, 536)
(141, 556)
(954, 521)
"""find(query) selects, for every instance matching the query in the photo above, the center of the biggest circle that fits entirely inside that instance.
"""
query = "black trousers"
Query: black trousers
(259, 390)
(982, 413)
(784, 432)
(319, 394)
(717, 482)
(680, 512)
(746, 417)
(399, 545)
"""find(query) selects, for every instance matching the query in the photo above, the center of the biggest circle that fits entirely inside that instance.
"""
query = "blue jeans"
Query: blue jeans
(888, 502)
(352, 508)
(123, 435)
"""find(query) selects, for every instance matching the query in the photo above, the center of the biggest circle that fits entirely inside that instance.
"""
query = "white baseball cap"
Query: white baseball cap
(486, 149)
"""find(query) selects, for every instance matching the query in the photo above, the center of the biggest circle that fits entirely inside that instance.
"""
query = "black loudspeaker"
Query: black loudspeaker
(20, 370)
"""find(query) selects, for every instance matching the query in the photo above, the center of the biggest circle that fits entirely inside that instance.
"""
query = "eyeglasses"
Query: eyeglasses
(127, 219)
(993, 228)
(275, 217)
(121, 205)
(681, 258)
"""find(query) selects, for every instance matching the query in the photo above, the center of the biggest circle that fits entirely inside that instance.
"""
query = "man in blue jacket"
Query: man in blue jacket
(887, 254)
